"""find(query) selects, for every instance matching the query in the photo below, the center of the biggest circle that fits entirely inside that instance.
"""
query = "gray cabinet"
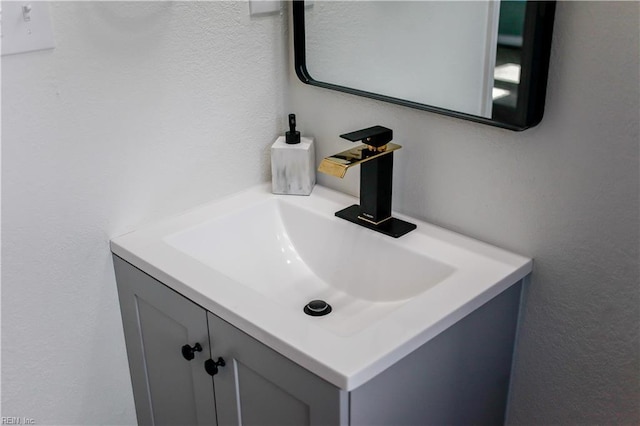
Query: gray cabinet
(167, 388)
(256, 386)
(460, 377)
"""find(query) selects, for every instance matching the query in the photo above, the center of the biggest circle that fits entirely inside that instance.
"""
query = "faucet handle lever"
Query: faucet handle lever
(376, 136)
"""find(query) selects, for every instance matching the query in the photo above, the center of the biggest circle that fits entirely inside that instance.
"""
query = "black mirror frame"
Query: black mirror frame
(537, 35)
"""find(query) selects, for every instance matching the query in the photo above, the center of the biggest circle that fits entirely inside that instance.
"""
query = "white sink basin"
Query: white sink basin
(255, 259)
(292, 255)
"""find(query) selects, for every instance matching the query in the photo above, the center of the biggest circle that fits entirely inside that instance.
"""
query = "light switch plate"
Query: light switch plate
(264, 7)
(25, 27)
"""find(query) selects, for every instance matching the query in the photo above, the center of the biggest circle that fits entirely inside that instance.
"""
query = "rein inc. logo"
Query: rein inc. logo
(17, 421)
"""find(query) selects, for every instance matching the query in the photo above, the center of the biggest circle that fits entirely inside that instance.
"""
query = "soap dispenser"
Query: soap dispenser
(293, 162)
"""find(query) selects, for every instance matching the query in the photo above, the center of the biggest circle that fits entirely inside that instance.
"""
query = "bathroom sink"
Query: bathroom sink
(256, 259)
(291, 255)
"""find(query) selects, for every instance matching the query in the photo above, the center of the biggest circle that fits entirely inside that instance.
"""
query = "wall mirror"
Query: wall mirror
(480, 60)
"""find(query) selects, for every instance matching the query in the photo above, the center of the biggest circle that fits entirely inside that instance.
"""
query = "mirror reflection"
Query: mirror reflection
(509, 52)
(457, 55)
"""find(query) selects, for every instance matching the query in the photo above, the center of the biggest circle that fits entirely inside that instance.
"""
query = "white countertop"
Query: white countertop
(346, 360)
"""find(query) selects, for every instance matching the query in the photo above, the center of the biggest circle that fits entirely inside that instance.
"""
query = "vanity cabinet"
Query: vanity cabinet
(256, 385)
(167, 388)
(459, 377)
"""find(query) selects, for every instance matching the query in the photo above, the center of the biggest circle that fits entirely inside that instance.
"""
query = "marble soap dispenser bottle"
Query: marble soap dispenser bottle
(293, 161)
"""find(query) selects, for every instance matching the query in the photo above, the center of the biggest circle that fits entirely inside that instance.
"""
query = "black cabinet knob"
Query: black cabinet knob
(211, 366)
(189, 352)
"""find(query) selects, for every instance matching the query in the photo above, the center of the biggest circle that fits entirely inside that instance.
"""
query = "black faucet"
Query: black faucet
(375, 158)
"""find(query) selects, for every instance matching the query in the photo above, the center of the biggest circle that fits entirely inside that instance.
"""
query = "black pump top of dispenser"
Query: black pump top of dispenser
(292, 136)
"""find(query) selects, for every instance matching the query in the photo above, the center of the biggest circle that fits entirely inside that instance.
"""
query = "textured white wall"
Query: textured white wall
(565, 193)
(143, 109)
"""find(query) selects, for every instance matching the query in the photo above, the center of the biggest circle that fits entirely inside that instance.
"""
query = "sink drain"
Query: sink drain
(317, 308)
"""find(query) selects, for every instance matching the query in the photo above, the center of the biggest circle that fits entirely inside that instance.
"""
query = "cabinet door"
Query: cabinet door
(258, 386)
(168, 389)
